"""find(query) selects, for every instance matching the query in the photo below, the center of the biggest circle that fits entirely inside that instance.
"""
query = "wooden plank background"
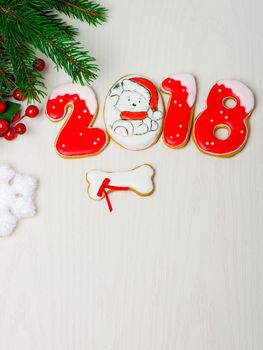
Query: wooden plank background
(181, 270)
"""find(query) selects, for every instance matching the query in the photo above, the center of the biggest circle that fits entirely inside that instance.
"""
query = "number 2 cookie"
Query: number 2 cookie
(77, 137)
(133, 112)
(179, 114)
(229, 105)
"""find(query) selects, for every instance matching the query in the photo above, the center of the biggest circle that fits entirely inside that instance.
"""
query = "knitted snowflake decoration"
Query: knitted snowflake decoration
(16, 198)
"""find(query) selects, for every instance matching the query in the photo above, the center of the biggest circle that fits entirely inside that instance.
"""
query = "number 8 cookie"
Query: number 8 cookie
(220, 114)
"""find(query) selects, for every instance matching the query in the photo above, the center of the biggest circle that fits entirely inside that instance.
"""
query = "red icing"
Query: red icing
(77, 138)
(177, 123)
(106, 185)
(151, 88)
(126, 115)
(218, 115)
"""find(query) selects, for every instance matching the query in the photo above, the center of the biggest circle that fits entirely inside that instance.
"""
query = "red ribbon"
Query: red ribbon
(106, 186)
(125, 115)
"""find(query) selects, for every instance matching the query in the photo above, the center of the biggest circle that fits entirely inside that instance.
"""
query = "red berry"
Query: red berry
(10, 134)
(39, 64)
(16, 117)
(3, 107)
(17, 95)
(32, 111)
(20, 128)
(3, 126)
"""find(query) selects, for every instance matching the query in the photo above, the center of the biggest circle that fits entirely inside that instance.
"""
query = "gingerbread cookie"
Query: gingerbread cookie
(134, 112)
(179, 115)
(138, 180)
(77, 137)
(229, 105)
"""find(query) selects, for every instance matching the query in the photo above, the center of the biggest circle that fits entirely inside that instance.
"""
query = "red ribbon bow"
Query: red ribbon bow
(106, 186)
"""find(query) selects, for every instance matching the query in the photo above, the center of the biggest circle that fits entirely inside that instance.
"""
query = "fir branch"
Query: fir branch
(71, 31)
(86, 11)
(28, 79)
(35, 23)
(7, 83)
(42, 33)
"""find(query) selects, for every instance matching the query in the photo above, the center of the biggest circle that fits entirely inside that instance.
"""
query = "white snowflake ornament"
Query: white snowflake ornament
(16, 198)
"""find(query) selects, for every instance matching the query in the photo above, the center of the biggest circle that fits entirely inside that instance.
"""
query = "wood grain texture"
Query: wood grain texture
(181, 270)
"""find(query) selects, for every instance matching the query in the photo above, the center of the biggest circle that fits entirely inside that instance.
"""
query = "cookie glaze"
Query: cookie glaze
(77, 137)
(178, 120)
(133, 112)
(219, 115)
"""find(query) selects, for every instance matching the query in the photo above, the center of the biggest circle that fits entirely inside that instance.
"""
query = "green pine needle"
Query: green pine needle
(7, 83)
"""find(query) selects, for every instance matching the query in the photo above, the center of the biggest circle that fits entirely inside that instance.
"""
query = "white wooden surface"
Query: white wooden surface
(181, 270)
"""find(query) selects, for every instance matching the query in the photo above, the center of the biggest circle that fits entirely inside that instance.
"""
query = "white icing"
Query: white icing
(242, 91)
(132, 134)
(139, 180)
(188, 81)
(84, 92)
(16, 198)
(133, 86)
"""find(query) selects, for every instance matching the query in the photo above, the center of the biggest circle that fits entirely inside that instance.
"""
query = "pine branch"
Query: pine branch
(35, 23)
(7, 83)
(71, 31)
(28, 79)
(86, 11)
(42, 33)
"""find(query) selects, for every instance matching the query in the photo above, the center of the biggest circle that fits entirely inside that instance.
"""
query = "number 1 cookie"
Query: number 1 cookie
(229, 105)
(179, 115)
(77, 137)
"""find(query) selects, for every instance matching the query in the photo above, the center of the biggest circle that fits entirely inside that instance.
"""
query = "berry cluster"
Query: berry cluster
(10, 131)
(11, 127)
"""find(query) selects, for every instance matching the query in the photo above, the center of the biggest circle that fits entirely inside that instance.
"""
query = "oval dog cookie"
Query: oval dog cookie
(138, 180)
(77, 137)
(220, 114)
(133, 112)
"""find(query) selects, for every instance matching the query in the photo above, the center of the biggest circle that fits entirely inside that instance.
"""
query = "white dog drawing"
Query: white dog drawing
(136, 104)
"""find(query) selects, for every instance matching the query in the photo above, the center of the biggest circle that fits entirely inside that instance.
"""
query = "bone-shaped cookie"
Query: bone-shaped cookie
(138, 180)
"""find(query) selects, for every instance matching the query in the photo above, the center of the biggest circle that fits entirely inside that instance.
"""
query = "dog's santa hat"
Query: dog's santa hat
(145, 88)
